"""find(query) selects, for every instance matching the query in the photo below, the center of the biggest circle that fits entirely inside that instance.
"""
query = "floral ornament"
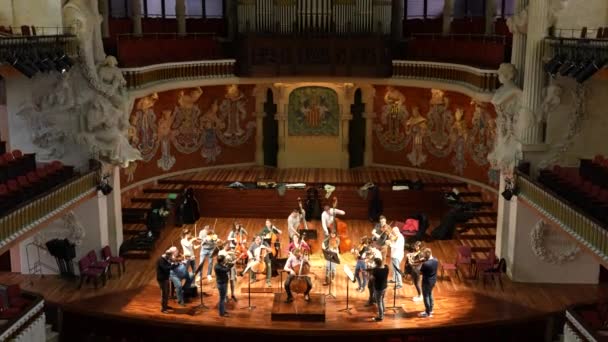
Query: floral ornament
(565, 252)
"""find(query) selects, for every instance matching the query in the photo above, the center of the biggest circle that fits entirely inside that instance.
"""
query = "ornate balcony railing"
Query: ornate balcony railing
(29, 325)
(481, 80)
(160, 73)
(28, 216)
(575, 327)
(583, 228)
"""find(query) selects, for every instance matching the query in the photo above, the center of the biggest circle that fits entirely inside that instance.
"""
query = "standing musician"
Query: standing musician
(412, 267)
(188, 248)
(331, 243)
(295, 260)
(328, 218)
(222, 272)
(208, 240)
(373, 253)
(254, 255)
(267, 232)
(296, 243)
(236, 231)
(163, 270)
(397, 243)
(380, 236)
(361, 253)
(380, 275)
(293, 222)
(230, 259)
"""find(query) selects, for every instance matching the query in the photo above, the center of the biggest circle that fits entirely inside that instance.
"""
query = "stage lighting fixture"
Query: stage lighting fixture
(590, 70)
(579, 66)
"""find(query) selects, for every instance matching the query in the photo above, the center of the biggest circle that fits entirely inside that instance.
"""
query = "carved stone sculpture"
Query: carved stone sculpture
(507, 102)
(518, 23)
(86, 106)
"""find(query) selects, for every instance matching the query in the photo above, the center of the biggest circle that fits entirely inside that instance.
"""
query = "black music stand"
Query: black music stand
(202, 304)
(350, 276)
(395, 308)
(249, 306)
(333, 258)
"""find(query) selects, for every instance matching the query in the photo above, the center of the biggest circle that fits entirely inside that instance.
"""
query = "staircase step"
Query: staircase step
(478, 245)
(469, 194)
(476, 224)
(491, 214)
(477, 234)
(52, 337)
(137, 255)
(158, 190)
(133, 228)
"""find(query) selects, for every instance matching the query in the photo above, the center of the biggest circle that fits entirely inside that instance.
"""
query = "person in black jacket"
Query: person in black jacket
(380, 275)
(429, 278)
(222, 271)
(163, 269)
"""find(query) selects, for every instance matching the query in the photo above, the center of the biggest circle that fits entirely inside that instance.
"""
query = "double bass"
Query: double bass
(341, 229)
(241, 249)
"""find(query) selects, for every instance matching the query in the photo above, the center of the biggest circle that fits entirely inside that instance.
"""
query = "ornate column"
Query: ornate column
(259, 92)
(518, 25)
(490, 15)
(136, 17)
(530, 130)
(448, 11)
(368, 157)
(180, 15)
(397, 20)
(282, 101)
(104, 11)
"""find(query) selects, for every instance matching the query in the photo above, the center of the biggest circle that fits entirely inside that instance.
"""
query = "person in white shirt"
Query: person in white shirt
(208, 240)
(397, 245)
(237, 232)
(328, 218)
(188, 248)
(293, 223)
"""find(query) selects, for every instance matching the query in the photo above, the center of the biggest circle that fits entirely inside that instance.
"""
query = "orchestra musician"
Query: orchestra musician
(373, 253)
(397, 243)
(230, 259)
(208, 240)
(413, 261)
(380, 275)
(188, 248)
(293, 222)
(254, 254)
(360, 254)
(222, 274)
(163, 270)
(178, 274)
(380, 237)
(296, 259)
(328, 218)
(270, 234)
(296, 243)
(233, 236)
(331, 243)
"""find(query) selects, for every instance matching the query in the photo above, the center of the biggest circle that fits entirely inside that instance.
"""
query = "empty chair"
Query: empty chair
(106, 254)
(87, 272)
(100, 264)
(482, 265)
(464, 257)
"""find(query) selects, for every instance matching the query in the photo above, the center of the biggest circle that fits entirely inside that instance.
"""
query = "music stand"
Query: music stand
(395, 308)
(202, 304)
(333, 258)
(249, 306)
(350, 276)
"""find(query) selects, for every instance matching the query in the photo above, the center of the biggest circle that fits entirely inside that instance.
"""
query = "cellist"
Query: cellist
(237, 233)
(254, 253)
(296, 261)
(296, 243)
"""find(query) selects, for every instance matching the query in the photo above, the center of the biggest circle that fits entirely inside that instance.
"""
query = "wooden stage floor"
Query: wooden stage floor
(468, 302)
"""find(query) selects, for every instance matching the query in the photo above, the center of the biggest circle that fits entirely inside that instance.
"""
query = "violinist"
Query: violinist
(296, 243)
(255, 254)
(331, 243)
(293, 222)
(414, 260)
(296, 260)
(380, 236)
(361, 253)
(188, 248)
(373, 253)
(328, 218)
(163, 270)
(397, 243)
(229, 260)
(208, 240)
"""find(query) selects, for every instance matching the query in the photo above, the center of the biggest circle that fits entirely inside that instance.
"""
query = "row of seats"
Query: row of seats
(595, 170)
(582, 192)
(12, 304)
(22, 188)
(14, 164)
(91, 268)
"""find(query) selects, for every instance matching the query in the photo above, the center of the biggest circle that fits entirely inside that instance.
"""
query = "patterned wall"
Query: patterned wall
(189, 128)
(435, 130)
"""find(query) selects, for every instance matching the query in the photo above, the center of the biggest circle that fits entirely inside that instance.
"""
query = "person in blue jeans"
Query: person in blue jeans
(222, 272)
(177, 275)
(380, 276)
(361, 253)
(208, 240)
(429, 278)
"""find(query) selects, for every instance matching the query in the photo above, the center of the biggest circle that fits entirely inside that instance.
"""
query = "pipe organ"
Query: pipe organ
(314, 16)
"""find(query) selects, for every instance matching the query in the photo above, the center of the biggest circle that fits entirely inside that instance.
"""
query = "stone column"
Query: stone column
(448, 12)
(281, 118)
(518, 52)
(115, 212)
(397, 20)
(260, 97)
(490, 15)
(180, 15)
(530, 129)
(136, 17)
(368, 157)
(231, 12)
(104, 11)
(502, 223)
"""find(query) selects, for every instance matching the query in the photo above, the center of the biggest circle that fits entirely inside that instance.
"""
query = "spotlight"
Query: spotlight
(104, 186)
(507, 194)
(590, 70)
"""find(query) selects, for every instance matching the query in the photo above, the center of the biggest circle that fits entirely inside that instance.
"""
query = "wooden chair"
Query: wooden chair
(106, 254)
(448, 267)
(87, 273)
(482, 265)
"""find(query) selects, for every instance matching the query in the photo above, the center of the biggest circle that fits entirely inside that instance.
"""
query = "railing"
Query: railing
(482, 80)
(159, 73)
(576, 329)
(11, 44)
(584, 229)
(30, 325)
(31, 214)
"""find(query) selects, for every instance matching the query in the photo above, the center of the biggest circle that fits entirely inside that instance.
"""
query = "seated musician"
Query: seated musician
(296, 261)
(296, 243)
(267, 232)
(254, 254)
(331, 243)
(237, 229)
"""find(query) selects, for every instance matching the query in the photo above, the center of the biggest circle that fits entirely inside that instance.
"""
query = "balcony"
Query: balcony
(586, 323)
(42, 208)
(22, 319)
(585, 229)
(480, 80)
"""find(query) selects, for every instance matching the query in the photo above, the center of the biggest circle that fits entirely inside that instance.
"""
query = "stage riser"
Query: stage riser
(268, 203)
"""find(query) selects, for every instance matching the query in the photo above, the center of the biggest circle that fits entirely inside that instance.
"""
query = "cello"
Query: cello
(299, 284)
(341, 229)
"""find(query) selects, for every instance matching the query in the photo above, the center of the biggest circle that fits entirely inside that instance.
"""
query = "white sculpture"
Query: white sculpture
(88, 104)
(551, 100)
(518, 23)
(507, 102)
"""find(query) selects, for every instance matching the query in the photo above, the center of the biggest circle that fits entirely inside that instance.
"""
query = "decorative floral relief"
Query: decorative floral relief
(552, 248)
(481, 135)
(439, 125)
(392, 130)
(71, 229)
